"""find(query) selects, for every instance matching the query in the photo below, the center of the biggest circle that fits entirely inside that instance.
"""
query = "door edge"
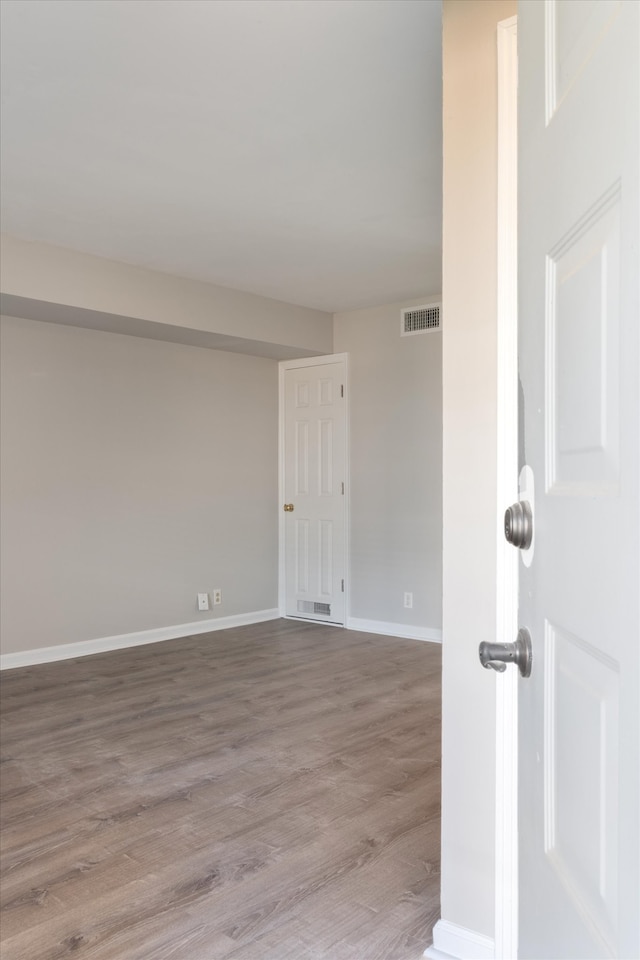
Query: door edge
(506, 702)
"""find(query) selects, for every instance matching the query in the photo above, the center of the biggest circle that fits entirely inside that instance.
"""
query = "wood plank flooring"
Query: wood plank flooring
(263, 793)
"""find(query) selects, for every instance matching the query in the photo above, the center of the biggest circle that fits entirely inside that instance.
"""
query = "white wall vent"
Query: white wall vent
(421, 319)
(310, 606)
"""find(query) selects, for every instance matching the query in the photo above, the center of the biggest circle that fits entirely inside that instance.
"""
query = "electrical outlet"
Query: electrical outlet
(217, 597)
(203, 601)
(408, 600)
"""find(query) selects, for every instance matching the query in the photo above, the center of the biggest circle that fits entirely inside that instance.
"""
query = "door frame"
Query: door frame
(283, 366)
(507, 560)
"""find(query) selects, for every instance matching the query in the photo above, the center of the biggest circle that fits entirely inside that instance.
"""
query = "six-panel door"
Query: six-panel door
(314, 485)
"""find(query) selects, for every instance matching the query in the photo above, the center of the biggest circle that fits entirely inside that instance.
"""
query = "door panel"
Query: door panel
(581, 785)
(314, 478)
(579, 727)
(581, 399)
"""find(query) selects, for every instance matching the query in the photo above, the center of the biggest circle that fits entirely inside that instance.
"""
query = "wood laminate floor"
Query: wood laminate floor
(270, 791)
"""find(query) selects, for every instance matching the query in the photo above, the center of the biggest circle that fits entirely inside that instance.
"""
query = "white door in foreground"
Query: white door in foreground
(579, 171)
(314, 459)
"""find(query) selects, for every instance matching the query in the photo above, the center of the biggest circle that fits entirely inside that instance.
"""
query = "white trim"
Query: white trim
(84, 648)
(451, 940)
(282, 572)
(293, 365)
(394, 629)
(318, 361)
(315, 622)
(506, 807)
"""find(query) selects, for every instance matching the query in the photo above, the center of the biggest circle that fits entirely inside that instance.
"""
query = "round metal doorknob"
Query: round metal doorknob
(496, 656)
(518, 525)
(288, 508)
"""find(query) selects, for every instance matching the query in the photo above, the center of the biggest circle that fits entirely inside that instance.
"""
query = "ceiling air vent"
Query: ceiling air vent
(421, 319)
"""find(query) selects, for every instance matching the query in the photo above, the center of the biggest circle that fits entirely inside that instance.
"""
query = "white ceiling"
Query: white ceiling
(290, 148)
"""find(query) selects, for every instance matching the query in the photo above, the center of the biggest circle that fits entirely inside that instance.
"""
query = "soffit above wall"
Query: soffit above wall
(41, 282)
(26, 309)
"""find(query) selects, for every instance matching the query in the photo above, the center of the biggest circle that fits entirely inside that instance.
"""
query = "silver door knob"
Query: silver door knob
(496, 656)
(518, 525)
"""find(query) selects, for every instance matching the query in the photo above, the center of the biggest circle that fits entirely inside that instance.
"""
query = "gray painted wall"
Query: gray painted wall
(135, 473)
(396, 466)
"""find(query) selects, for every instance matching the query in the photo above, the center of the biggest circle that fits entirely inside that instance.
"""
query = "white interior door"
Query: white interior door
(579, 167)
(314, 488)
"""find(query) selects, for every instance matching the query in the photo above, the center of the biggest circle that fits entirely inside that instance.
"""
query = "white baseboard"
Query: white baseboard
(394, 629)
(84, 648)
(459, 943)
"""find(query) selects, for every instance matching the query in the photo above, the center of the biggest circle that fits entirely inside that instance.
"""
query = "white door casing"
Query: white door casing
(579, 746)
(313, 482)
